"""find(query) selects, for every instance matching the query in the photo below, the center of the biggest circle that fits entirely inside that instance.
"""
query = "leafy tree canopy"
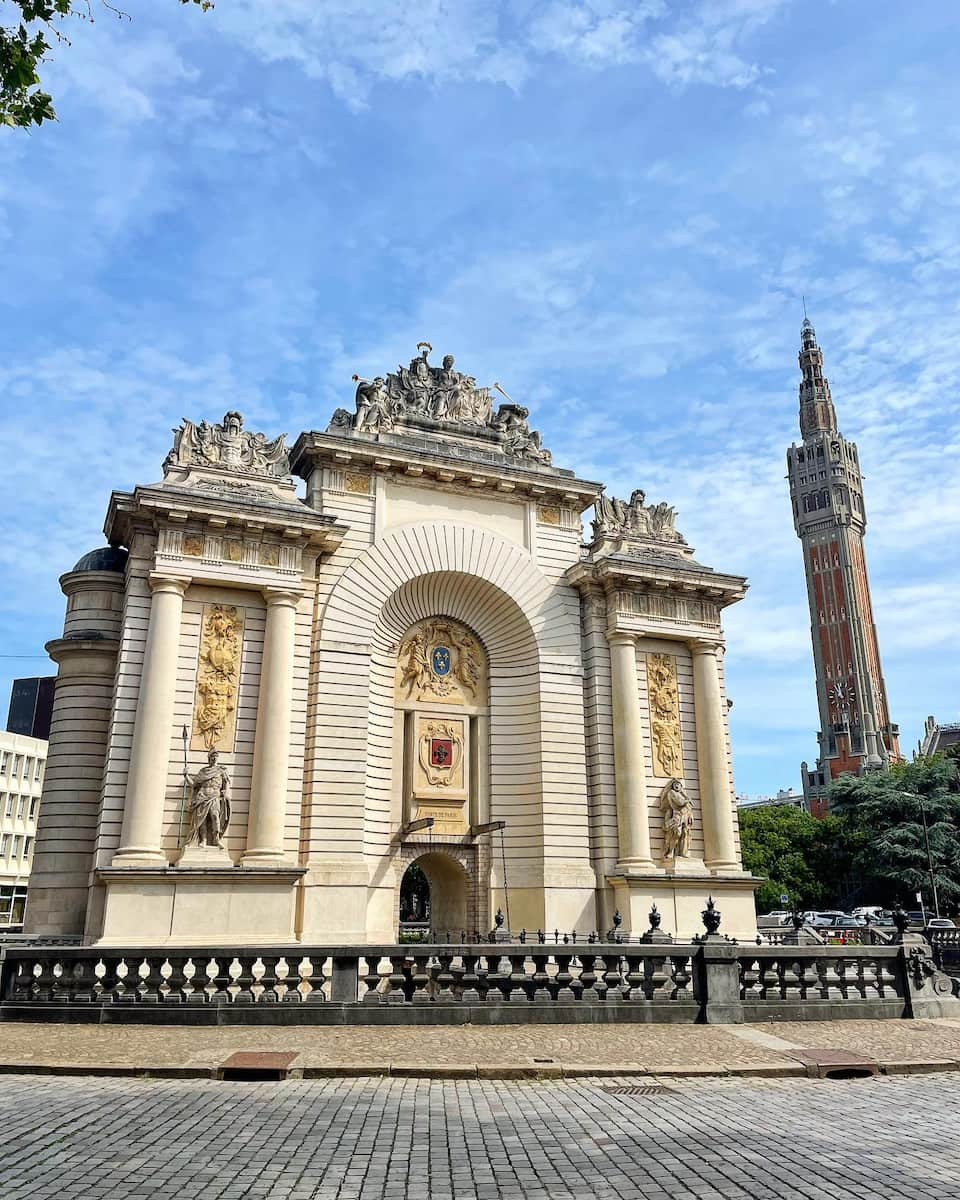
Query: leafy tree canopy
(882, 813)
(24, 46)
(799, 855)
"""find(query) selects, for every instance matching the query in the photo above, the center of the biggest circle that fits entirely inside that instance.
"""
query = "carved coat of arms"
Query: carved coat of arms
(441, 752)
(440, 660)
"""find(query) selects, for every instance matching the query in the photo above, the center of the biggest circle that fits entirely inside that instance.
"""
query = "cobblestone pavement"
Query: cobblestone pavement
(83, 1139)
(651, 1048)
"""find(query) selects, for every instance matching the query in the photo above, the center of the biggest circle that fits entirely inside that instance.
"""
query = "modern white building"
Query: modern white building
(22, 764)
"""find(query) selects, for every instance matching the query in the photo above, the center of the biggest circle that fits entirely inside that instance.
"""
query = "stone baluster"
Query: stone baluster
(372, 980)
(245, 979)
(176, 980)
(271, 752)
(269, 980)
(397, 978)
(716, 795)
(316, 979)
(142, 830)
(630, 773)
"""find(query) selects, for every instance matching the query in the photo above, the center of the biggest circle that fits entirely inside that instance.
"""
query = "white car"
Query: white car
(940, 923)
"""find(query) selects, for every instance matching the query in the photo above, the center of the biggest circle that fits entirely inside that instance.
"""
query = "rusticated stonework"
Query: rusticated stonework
(218, 677)
(441, 660)
(664, 699)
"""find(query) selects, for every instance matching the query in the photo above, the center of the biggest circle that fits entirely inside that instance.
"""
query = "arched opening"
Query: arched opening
(434, 886)
(414, 900)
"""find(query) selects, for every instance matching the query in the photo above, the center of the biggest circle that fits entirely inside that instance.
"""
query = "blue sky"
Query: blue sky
(611, 208)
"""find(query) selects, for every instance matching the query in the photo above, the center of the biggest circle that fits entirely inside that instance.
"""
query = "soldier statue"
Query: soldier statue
(209, 804)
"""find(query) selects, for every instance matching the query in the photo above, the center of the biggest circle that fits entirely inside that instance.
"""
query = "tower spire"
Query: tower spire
(816, 404)
(826, 489)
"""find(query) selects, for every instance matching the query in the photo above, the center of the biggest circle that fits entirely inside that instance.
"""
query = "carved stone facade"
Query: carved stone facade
(218, 677)
(417, 662)
(664, 698)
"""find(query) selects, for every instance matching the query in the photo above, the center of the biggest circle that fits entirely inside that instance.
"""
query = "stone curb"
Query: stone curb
(487, 1071)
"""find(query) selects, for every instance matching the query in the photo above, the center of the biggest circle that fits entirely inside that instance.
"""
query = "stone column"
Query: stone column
(632, 822)
(150, 753)
(716, 801)
(271, 752)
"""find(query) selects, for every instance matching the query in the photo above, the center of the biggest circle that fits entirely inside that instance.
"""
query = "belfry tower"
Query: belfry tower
(826, 490)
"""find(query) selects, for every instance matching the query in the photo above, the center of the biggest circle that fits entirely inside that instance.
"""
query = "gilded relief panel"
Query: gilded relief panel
(440, 661)
(218, 678)
(663, 695)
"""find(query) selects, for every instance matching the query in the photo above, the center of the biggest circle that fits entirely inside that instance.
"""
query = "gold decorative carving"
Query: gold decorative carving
(218, 676)
(233, 550)
(440, 659)
(269, 555)
(664, 697)
(547, 515)
(440, 750)
(358, 483)
(193, 544)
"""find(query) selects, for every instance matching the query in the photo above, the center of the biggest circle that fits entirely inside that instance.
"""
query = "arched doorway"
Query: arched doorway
(435, 893)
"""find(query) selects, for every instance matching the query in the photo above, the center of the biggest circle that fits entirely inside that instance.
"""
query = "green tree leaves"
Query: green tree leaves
(24, 46)
(799, 855)
(881, 813)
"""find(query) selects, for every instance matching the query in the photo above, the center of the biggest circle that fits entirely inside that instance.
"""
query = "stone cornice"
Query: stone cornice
(313, 450)
(621, 574)
(153, 507)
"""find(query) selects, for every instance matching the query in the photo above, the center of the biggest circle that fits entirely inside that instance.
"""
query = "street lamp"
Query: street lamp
(926, 841)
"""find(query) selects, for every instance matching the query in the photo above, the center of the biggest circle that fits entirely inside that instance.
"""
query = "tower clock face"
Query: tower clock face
(839, 693)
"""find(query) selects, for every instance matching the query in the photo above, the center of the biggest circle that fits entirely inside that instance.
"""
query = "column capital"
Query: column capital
(282, 597)
(175, 584)
(621, 638)
(700, 646)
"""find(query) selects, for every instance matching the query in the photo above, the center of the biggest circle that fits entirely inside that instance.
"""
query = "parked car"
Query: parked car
(870, 911)
(846, 922)
(941, 923)
(916, 917)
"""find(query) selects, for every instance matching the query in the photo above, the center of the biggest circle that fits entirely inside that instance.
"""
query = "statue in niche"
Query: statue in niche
(209, 803)
(677, 819)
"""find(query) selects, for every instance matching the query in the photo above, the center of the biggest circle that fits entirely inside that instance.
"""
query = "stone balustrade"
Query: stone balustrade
(711, 980)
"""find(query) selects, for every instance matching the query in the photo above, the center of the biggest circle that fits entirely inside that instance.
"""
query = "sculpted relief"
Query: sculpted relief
(635, 520)
(421, 394)
(218, 677)
(664, 699)
(441, 660)
(228, 447)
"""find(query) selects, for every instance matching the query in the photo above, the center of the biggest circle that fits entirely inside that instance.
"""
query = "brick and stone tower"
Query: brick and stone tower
(826, 490)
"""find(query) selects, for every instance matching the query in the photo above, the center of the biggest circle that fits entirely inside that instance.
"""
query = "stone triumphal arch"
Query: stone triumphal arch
(271, 703)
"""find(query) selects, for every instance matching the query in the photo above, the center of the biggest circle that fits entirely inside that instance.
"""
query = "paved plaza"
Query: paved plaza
(478, 1140)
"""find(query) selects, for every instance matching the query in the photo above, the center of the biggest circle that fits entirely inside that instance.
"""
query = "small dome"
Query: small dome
(104, 558)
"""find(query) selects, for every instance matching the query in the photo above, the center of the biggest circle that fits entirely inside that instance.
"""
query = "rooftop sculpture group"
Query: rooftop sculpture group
(635, 520)
(423, 392)
(227, 447)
